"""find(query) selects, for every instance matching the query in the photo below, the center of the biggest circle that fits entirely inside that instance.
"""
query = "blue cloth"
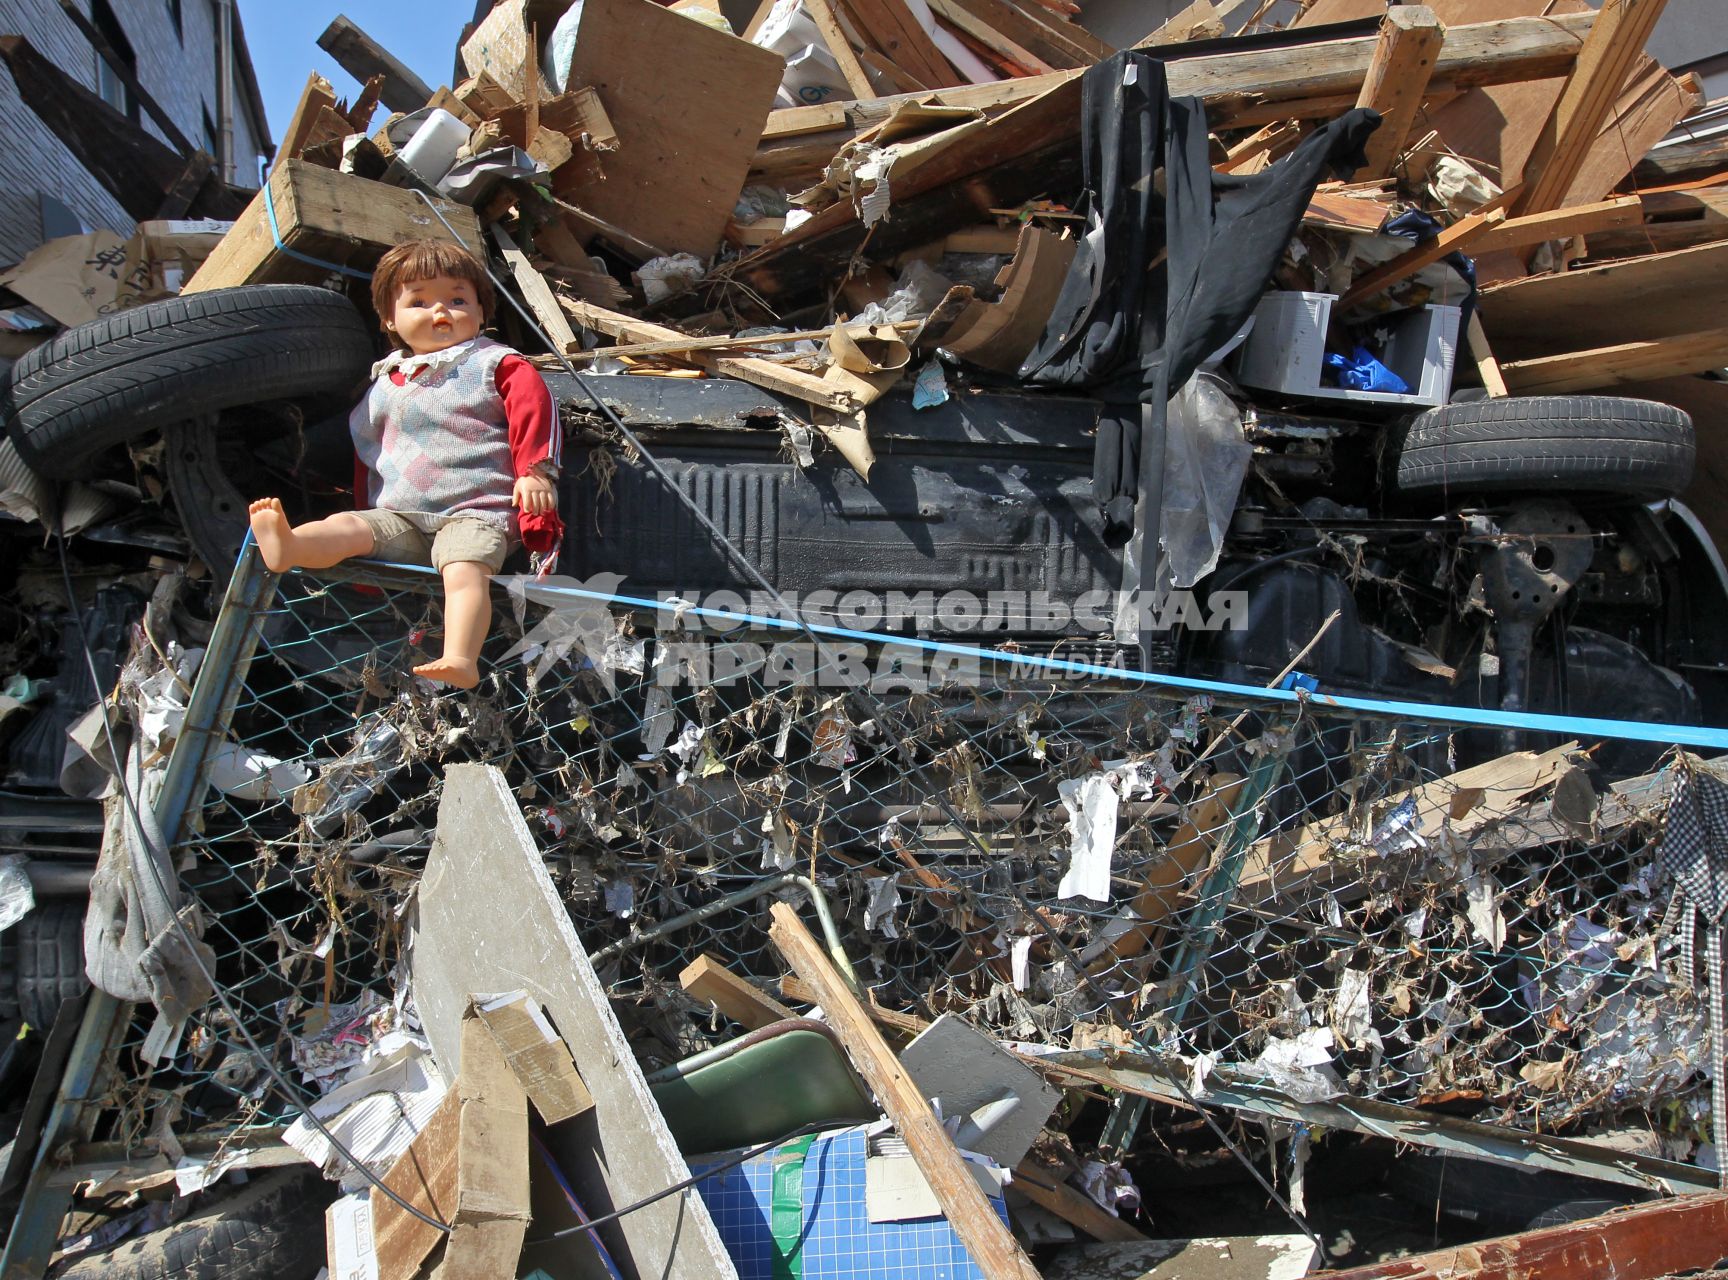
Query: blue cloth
(1360, 371)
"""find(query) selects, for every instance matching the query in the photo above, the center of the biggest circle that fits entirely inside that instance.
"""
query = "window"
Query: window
(209, 140)
(179, 19)
(109, 84)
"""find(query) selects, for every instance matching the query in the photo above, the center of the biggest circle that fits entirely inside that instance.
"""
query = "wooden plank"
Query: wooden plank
(685, 140)
(963, 14)
(1475, 54)
(762, 373)
(730, 342)
(1487, 367)
(1015, 28)
(1655, 297)
(892, 27)
(317, 95)
(1046, 1188)
(1070, 35)
(1602, 367)
(992, 1248)
(363, 57)
(1639, 1242)
(1410, 39)
(1454, 238)
(98, 42)
(709, 980)
(330, 216)
(359, 116)
(490, 919)
(904, 1025)
(1610, 52)
(536, 293)
(822, 14)
(1561, 224)
(1199, 21)
(186, 187)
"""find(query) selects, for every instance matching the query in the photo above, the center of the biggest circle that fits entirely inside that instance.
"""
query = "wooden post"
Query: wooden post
(1487, 367)
(1611, 50)
(363, 57)
(822, 14)
(1410, 41)
(964, 1205)
(708, 979)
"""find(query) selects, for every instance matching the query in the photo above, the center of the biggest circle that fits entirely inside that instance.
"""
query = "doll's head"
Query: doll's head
(431, 294)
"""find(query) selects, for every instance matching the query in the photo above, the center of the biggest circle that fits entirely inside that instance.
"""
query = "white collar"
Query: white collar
(431, 360)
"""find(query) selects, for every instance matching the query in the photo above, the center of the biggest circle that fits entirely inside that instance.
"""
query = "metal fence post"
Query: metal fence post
(233, 641)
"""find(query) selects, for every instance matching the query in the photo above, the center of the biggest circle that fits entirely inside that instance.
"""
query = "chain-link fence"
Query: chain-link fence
(1337, 901)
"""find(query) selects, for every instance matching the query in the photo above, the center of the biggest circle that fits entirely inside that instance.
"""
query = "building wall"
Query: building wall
(179, 71)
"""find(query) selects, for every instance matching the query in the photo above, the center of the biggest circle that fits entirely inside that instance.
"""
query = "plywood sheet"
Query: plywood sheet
(688, 104)
(490, 919)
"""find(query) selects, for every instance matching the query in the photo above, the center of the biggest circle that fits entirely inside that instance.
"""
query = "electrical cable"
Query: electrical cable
(288, 1089)
(878, 711)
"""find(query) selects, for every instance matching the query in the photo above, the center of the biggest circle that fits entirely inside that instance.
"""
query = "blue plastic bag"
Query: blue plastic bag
(1360, 371)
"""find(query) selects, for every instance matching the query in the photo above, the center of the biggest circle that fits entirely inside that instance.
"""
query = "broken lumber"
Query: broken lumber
(992, 1247)
(894, 29)
(1454, 239)
(1561, 224)
(762, 373)
(709, 980)
(536, 293)
(822, 14)
(363, 58)
(318, 94)
(1638, 1242)
(1611, 50)
(1046, 1188)
(1625, 362)
(1410, 40)
(1477, 53)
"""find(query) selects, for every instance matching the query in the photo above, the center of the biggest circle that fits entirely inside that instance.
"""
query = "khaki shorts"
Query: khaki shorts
(414, 538)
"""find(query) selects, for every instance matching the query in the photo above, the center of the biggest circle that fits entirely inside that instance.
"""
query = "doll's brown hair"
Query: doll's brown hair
(426, 260)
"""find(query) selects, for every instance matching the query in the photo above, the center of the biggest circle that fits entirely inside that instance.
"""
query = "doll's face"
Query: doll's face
(430, 315)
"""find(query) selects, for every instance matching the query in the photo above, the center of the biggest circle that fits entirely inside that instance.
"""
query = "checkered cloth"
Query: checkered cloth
(1695, 845)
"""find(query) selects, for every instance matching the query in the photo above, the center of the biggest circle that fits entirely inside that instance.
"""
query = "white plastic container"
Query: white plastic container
(1286, 351)
(431, 152)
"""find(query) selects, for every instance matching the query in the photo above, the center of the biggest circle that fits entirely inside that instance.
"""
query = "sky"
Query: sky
(283, 38)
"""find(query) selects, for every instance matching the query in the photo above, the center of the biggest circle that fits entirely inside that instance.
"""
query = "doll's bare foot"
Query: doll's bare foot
(461, 673)
(273, 534)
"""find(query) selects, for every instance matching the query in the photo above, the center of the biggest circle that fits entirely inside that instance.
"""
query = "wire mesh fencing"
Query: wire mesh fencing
(1337, 902)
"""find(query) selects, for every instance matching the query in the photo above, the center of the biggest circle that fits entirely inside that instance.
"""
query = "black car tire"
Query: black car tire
(1542, 444)
(103, 383)
(270, 1229)
(49, 961)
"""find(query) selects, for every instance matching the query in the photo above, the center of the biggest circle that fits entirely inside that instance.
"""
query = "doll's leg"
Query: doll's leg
(467, 617)
(315, 545)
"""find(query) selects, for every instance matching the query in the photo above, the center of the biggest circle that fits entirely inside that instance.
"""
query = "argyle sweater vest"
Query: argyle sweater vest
(439, 444)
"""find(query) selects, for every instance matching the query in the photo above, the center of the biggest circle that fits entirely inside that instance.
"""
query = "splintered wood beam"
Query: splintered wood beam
(536, 293)
(1014, 28)
(993, 1249)
(1639, 1242)
(892, 27)
(1478, 53)
(963, 14)
(1610, 53)
(1454, 238)
(363, 57)
(171, 131)
(1410, 40)
(1619, 364)
(318, 94)
(1562, 224)
(834, 36)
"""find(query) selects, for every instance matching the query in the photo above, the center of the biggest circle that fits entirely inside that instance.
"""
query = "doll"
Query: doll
(456, 452)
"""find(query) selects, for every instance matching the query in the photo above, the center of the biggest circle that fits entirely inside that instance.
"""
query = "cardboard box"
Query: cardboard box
(333, 218)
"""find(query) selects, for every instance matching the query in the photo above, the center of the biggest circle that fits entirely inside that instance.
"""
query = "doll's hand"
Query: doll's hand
(535, 494)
